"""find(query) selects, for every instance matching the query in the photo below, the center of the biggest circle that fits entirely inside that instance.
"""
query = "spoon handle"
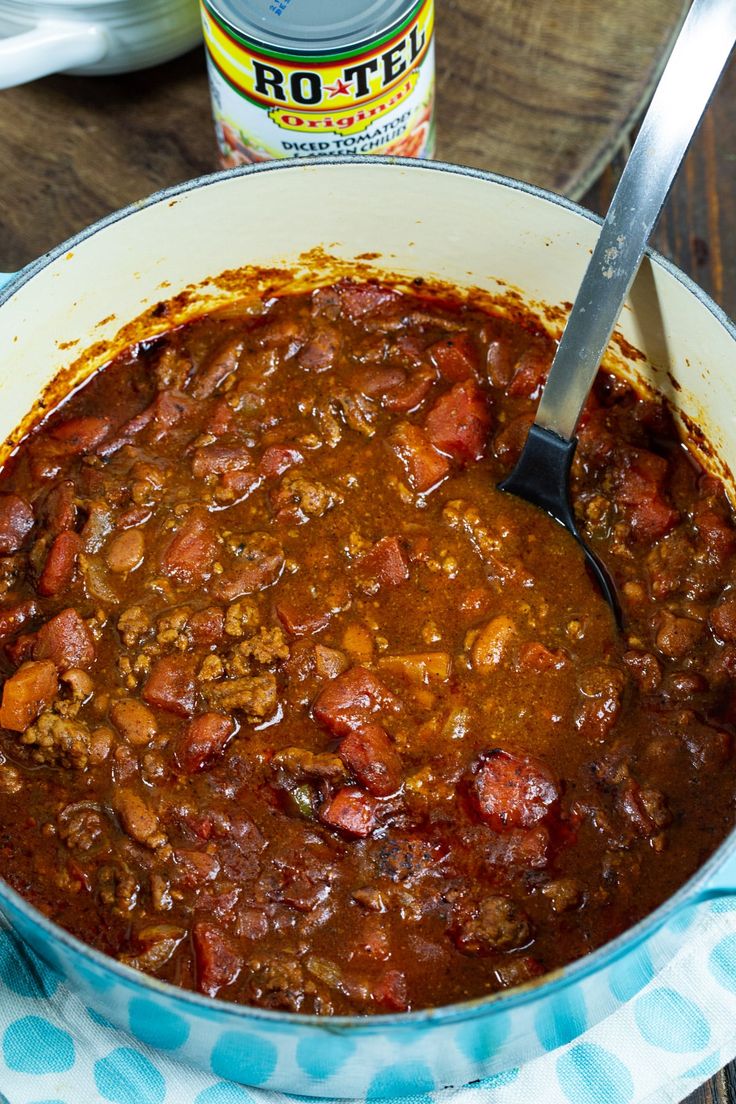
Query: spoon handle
(695, 64)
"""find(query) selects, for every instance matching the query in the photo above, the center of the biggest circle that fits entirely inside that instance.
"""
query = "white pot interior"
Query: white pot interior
(420, 220)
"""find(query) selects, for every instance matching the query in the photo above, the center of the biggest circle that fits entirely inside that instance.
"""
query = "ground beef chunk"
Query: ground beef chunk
(281, 981)
(81, 826)
(118, 887)
(266, 647)
(257, 562)
(56, 741)
(133, 624)
(241, 617)
(300, 498)
(499, 924)
(256, 696)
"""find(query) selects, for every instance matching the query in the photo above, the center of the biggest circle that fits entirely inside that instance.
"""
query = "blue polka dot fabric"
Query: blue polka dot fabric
(673, 1029)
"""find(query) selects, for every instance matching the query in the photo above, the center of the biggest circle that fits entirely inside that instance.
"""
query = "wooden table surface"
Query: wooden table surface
(71, 150)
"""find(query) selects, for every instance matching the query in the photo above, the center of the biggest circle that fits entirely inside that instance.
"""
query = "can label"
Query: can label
(269, 105)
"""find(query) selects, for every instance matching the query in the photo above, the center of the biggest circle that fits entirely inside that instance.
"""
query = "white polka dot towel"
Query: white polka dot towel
(656, 1048)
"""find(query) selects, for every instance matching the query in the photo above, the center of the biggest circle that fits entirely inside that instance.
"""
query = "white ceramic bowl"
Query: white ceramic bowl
(92, 37)
(425, 219)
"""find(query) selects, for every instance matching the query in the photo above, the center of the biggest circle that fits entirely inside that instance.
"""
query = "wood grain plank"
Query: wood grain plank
(74, 149)
(698, 227)
(543, 91)
(719, 1090)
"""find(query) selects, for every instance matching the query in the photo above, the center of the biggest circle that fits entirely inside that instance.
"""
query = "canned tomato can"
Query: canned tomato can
(303, 78)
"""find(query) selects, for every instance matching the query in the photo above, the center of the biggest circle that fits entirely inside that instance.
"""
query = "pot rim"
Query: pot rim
(556, 980)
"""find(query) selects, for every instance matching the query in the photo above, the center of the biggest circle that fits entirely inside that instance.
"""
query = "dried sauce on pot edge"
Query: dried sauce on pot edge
(300, 711)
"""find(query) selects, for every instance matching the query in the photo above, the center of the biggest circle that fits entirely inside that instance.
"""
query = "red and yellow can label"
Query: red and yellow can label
(270, 105)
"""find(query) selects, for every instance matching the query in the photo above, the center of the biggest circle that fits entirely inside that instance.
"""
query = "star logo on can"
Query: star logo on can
(339, 88)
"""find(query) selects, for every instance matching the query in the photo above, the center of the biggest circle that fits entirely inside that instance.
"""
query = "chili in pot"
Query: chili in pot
(299, 711)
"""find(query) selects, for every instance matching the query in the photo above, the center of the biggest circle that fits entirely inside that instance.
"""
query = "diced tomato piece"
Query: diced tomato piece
(411, 348)
(191, 554)
(424, 466)
(207, 626)
(194, 868)
(13, 618)
(512, 791)
(203, 740)
(241, 483)
(277, 459)
(527, 848)
(349, 701)
(530, 374)
(372, 759)
(533, 656)
(458, 423)
(360, 299)
(66, 640)
(171, 685)
(390, 991)
(259, 566)
(16, 522)
(61, 564)
(371, 941)
(216, 958)
(220, 905)
(456, 357)
(639, 487)
(652, 518)
(596, 442)
(643, 468)
(352, 811)
(26, 693)
(477, 601)
(221, 419)
(509, 441)
(80, 435)
(386, 564)
(219, 459)
(300, 620)
(21, 648)
(716, 532)
(201, 825)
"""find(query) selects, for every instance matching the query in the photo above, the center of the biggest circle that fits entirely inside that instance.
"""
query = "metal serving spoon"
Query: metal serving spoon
(542, 472)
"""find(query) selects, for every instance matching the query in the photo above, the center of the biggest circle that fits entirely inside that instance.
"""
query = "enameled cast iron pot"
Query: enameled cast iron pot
(428, 219)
